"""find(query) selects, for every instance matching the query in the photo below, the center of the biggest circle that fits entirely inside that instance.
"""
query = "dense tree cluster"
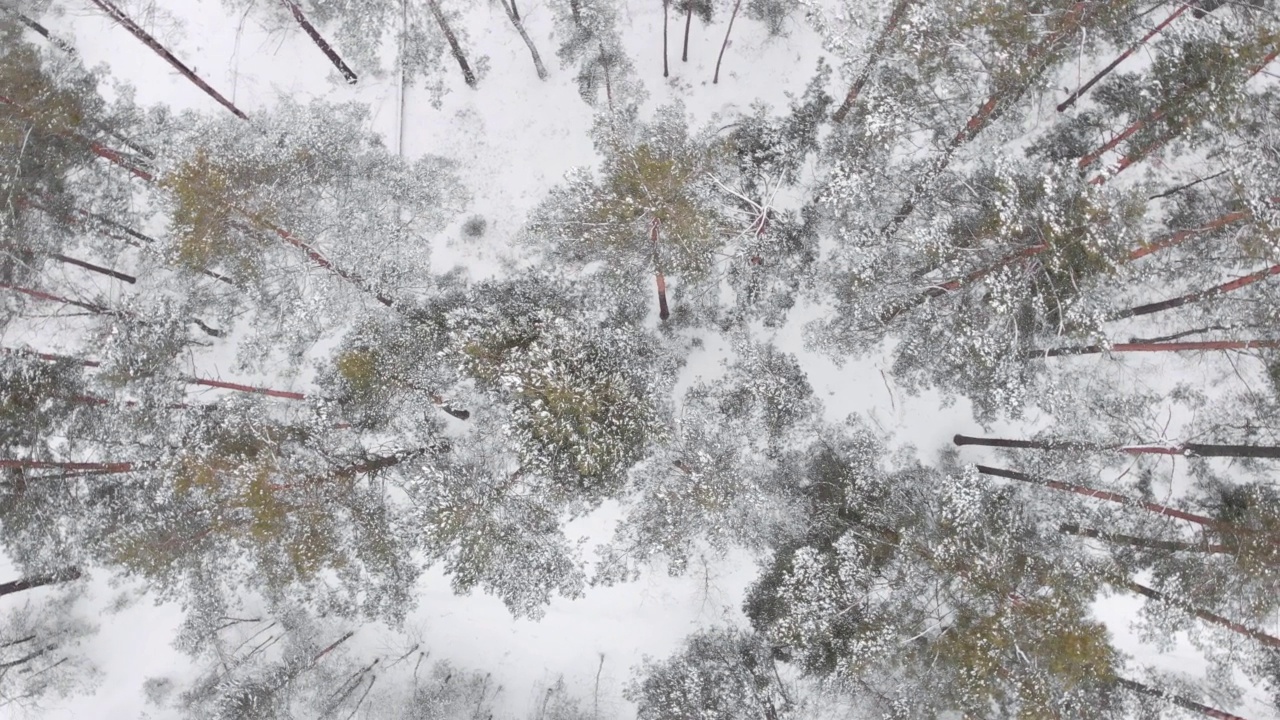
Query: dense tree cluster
(1099, 277)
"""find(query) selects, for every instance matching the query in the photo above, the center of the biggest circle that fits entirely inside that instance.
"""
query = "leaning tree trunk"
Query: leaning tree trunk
(438, 14)
(57, 576)
(895, 17)
(1105, 495)
(320, 42)
(737, 5)
(688, 20)
(41, 30)
(1270, 641)
(1142, 542)
(1071, 99)
(123, 20)
(515, 20)
(1191, 449)
(1231, 286)
(1155, 347)
(94, 268)
(105, 468)
(1178, 700)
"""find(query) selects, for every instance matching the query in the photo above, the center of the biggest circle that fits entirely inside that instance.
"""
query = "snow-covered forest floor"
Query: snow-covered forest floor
(513, 139)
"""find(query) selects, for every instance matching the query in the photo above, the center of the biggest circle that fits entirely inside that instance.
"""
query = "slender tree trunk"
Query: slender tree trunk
(94, 268)
(1071, 99)
(1148, 543)
(666, 7)
(515, 20)
(1189, 449)
(1177, 237)
(49, 357)
(104, 468)
(320, 42)
(1178, 700)
(116, 14)
(287, 394)
(41, 30)
(688, 20)
(40, 295)
(608, 80)
(895, 17)
(1236, 284)
(663, 311)
(58, 576)
(737, 5)
(110, 155)
(1270, 641)
(576, 10)
(1105, 495)
(438, 14)
(1156, 347)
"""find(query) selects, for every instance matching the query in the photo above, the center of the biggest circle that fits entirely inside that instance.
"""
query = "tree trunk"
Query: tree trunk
(577, 12)
(1148, 543)
(1189, 449)
(666, 7)
(94, 268)
(438, 14)
(515, 20)
(320, 41)
(737, 5)
(104, 468)
(40, 295)
(1270, 641)
(1240, 282)
(688, 20)
(58, 576)
(1108, 496)
(116, 14)
(1176, 700)
(1177, 237)
(41, 30)
(286, 394)
(663, 311)
(1156, 347)
(1071, 99)
(895, 17)
(110, 155)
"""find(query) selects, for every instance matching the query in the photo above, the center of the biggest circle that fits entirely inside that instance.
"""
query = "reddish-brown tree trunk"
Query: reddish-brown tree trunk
(1270, 641)
(320, 42)
(1178, 700)
(286, 394)
(663, 311)
(41, 295)
(1103, 495)
(454, 47)
(1071, 99)
(58, 576)
(737, 5)
(1156, 347)
(1236, 284)
(895, 17)
(123, 20)
(113, 156)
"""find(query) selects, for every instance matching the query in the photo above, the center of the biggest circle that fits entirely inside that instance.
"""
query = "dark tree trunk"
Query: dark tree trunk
(1270, 641)
(895, 17)
(1071, 99)
(95, 268)
(1176, 700)
(1103, 495)
(688, 20)
(1148, 543)
(737, 5)
(320, 41)
(116, 14)
(1156, 347)
(438, 14)
(515, 20)
(666, 7)
(1240, 282)
(41, 30)
(58, 576)
(663, 311)
(1191, 449)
